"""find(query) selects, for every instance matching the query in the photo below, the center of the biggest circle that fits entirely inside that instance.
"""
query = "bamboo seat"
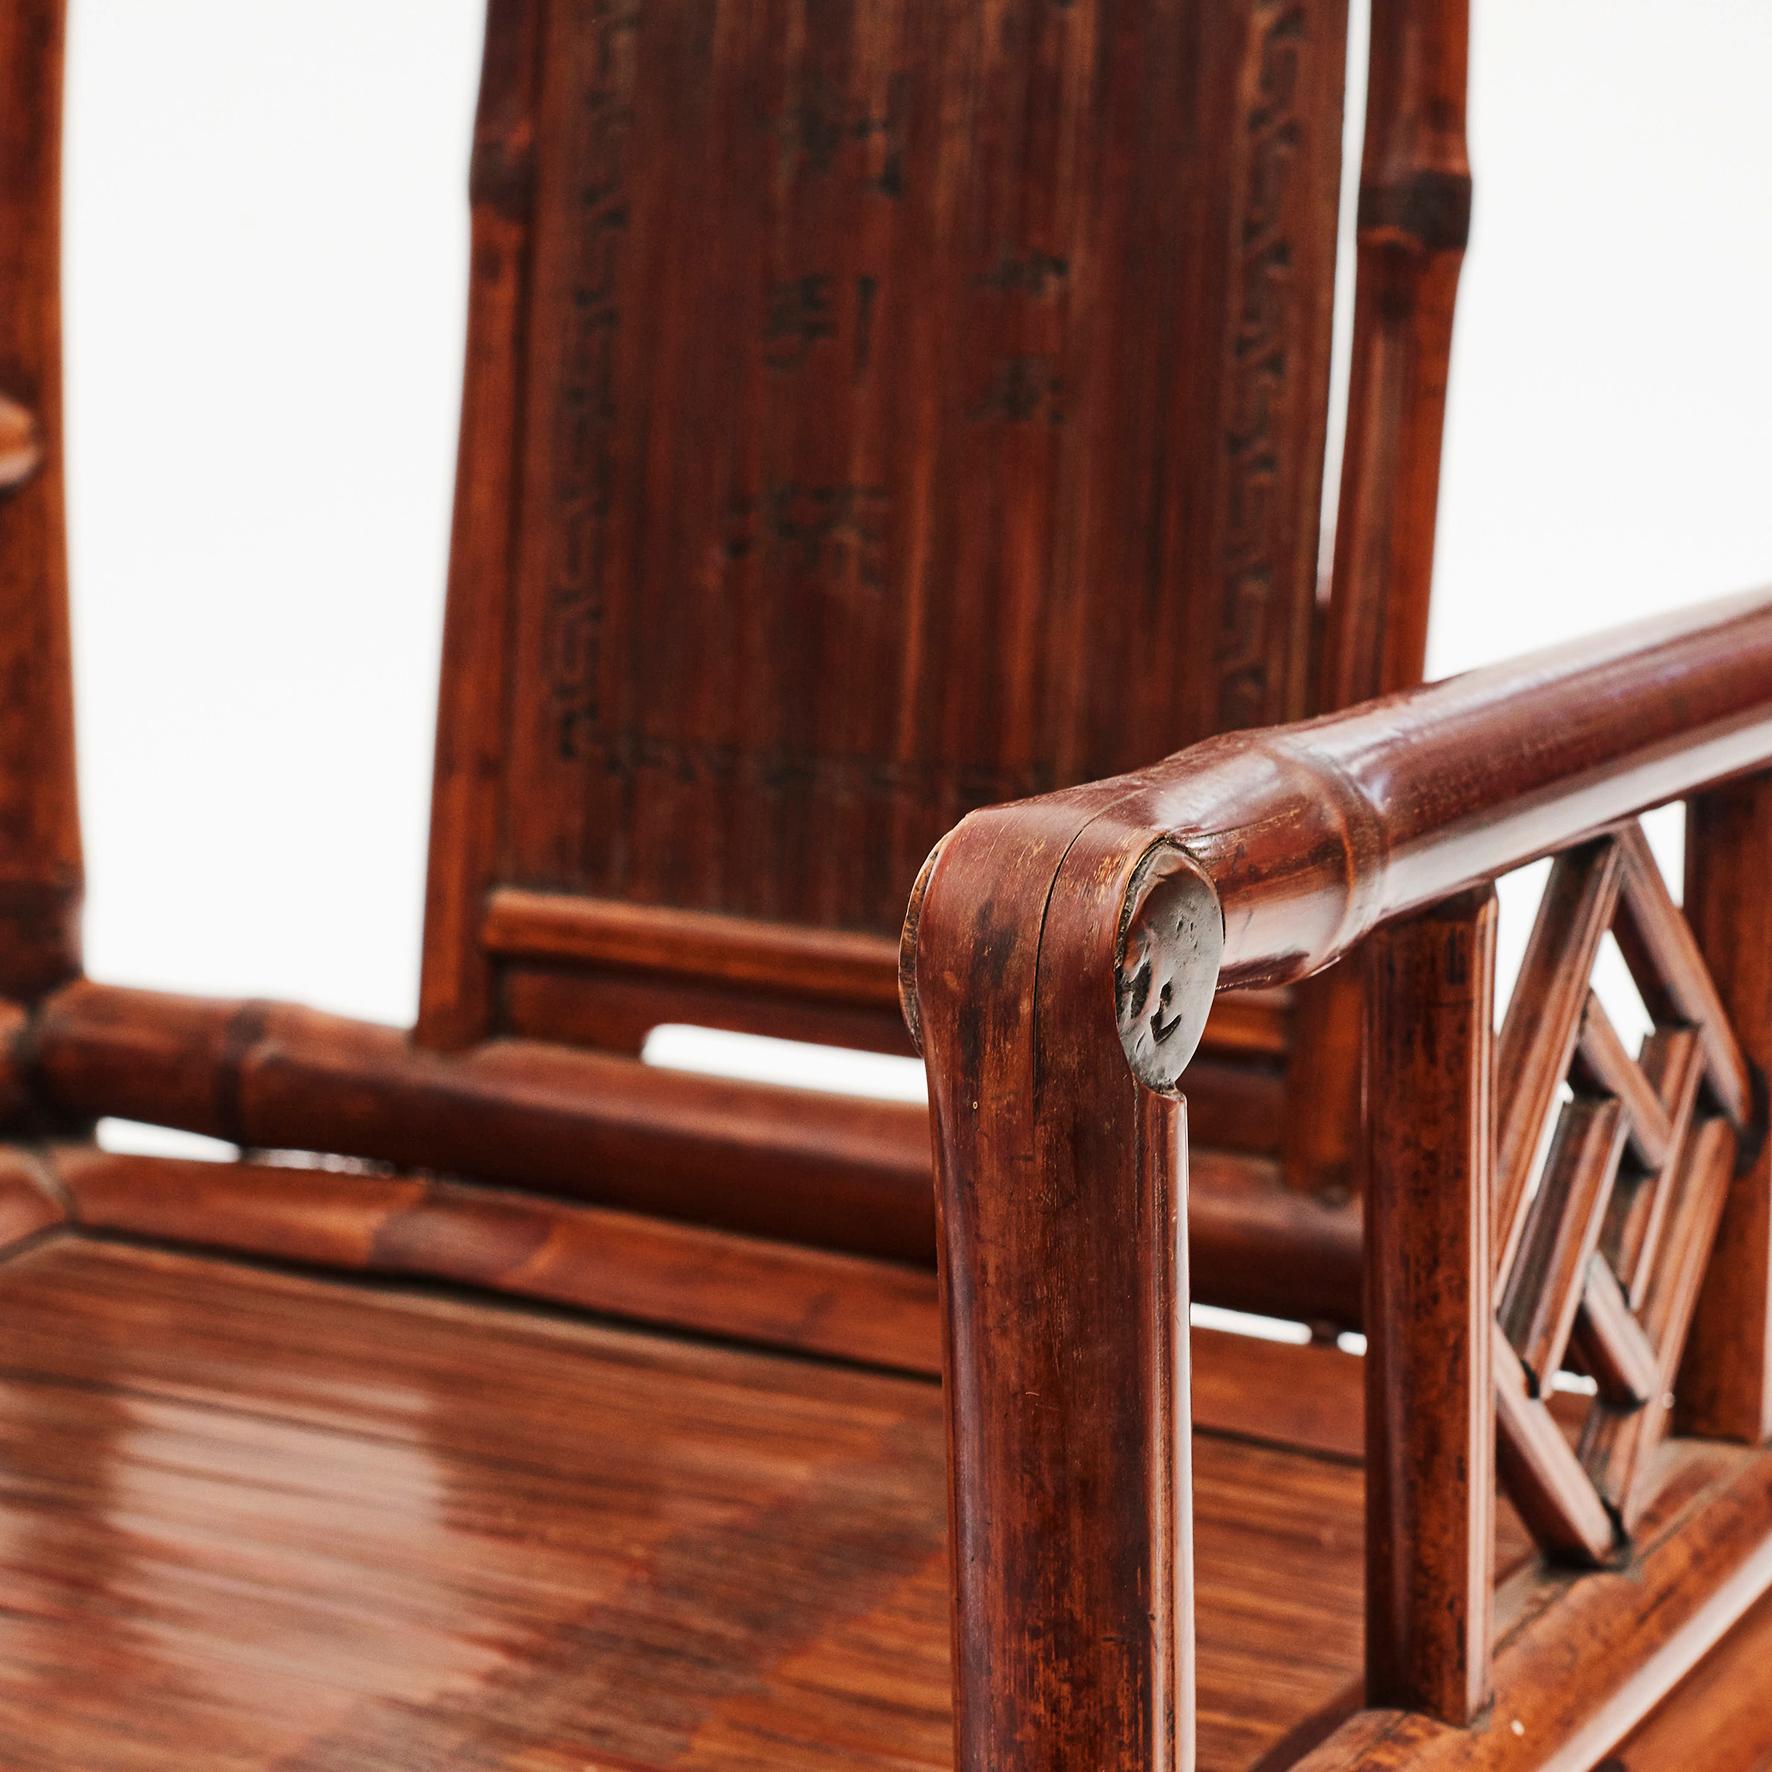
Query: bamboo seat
(256, 1518)
(521, 1541)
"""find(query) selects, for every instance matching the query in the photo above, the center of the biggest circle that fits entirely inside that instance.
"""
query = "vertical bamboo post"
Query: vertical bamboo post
(1414, 220)
(1725, 1381)
(40, 862)
(455, 991)
(1061, 1191)
(1414, 217)
(1430, 1319)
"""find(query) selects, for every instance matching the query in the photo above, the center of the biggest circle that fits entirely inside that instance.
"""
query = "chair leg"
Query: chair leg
(1061, 1194)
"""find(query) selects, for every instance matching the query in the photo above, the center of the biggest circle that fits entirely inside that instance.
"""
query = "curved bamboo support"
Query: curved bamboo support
(1309, 836)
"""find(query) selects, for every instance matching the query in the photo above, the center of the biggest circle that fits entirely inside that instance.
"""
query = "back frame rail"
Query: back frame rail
(1046, 933)
(456, 985)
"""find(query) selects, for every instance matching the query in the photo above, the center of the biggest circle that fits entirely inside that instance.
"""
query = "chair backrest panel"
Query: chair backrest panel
(922, 404)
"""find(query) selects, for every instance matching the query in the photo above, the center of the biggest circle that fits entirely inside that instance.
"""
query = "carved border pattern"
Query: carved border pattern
(1262, 259)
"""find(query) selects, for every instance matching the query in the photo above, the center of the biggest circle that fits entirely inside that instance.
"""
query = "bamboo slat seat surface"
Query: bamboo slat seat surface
(884, 611)
(251, 1519)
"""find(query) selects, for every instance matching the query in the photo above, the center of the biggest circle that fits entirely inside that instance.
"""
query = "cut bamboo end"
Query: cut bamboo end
(1166, 973)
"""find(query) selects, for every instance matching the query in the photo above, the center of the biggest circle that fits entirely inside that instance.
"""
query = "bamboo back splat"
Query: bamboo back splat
(873, 411)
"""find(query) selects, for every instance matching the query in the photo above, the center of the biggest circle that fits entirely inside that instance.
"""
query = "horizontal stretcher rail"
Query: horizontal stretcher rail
(834, 1172)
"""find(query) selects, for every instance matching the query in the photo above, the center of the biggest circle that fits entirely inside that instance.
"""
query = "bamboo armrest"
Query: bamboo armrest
(1262, 857)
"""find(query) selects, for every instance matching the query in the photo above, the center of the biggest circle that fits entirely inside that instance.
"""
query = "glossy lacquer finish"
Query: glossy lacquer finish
(252, 1521)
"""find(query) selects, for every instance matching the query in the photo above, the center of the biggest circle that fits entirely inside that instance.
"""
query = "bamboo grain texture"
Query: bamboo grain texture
(234, 1544)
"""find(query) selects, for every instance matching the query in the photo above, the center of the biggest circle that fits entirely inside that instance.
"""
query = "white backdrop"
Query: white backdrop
(267, 241)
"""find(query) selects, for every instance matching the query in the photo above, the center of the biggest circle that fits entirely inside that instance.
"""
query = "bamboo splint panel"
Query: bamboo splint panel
(913, 407)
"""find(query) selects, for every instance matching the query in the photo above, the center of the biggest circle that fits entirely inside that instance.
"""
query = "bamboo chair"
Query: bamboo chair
(873, 414)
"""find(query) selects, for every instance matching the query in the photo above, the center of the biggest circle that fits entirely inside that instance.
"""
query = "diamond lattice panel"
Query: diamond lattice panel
(1599, 1265)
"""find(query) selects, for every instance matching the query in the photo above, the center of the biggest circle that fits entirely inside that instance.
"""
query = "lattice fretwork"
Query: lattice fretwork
(1599, 1266)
